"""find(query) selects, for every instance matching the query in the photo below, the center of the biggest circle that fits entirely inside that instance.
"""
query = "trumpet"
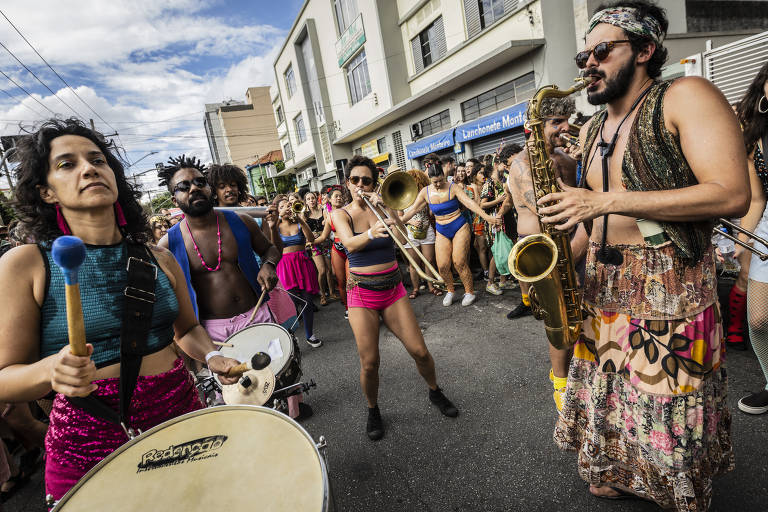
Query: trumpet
(297, 207)
(757, 252)
(398, 191)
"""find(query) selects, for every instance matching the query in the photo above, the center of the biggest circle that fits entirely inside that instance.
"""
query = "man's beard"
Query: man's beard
(615, 88)
(195, 208)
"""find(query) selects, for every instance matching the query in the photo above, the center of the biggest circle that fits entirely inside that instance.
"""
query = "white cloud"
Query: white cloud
(143, 62)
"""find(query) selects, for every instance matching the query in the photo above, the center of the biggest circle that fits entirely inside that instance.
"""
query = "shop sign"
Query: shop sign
(370, 149)
(500, 121)
(350, 41)
(430, 144)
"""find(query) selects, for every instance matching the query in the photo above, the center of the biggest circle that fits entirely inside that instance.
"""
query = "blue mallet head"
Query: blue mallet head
(69, 253)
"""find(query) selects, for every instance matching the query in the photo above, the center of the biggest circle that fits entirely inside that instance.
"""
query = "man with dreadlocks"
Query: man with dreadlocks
(223, 293)
(555, 113)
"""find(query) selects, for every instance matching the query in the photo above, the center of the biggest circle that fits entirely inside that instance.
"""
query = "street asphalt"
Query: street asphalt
(498, 455)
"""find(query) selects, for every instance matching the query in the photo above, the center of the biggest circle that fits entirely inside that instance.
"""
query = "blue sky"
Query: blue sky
(147, 67)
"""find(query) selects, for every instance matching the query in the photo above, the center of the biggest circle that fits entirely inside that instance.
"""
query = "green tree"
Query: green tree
(159, 202)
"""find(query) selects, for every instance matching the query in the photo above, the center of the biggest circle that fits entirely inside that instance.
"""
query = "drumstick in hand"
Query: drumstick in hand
(69, 253)
(258, 305)
(259, 361)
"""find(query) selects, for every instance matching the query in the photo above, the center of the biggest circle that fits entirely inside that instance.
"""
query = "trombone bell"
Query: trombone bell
(399, 190)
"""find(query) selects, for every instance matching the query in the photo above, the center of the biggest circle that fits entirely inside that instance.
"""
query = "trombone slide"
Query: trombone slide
(757, 252)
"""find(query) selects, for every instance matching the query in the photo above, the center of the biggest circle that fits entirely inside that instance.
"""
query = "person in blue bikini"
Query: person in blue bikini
(453, 232)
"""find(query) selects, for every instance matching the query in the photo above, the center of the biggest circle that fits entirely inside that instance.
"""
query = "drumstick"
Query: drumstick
(69, 253)
(258, 305)
(223, 344)
(259, 361)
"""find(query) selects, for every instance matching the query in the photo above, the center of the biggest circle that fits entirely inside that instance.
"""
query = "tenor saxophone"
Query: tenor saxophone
(545, 259)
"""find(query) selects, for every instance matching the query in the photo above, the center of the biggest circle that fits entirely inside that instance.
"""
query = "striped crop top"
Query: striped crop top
(102, 278)
(445, 208)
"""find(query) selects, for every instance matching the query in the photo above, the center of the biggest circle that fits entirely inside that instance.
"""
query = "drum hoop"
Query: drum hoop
(200, 412)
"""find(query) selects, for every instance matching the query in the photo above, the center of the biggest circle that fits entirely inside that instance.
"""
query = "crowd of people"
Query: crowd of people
(640, 396)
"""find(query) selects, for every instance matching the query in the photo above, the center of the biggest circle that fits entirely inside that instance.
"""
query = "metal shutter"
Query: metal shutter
(510, 5)
(438, 45)
(418, 60)
(397, 142)
(733, 67)
(472, 13)
(325, 144)
(491, 144)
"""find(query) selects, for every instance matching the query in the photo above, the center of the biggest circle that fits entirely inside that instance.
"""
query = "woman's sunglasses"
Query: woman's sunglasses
(601, 51)
(184, 186)
(363, 180)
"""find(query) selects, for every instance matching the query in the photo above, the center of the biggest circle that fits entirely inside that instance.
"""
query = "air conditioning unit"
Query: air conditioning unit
(416, 130)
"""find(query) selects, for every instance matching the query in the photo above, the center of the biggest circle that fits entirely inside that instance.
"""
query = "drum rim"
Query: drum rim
(123, 447)
(271, 324)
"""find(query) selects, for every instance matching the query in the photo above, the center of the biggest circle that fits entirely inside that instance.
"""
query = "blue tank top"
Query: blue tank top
(375, 252)
(102, 279)
(445, 208)
(297, 239)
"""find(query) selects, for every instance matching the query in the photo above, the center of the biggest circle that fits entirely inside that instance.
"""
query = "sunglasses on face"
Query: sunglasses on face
(363, 180)
(184, 186)
(601, 51)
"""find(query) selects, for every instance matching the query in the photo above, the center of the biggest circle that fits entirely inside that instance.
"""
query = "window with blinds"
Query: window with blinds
(429, 46)
(357, 77)
(301, 133)
(505, 95)
(435, 123)
(733, 67)
(481, 14)
(290, 81)
(287, 152)
(397, 141)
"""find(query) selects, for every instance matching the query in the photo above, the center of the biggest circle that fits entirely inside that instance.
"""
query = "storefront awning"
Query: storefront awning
(499, 121)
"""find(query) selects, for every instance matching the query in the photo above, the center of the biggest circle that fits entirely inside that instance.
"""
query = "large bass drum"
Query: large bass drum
(223, 458)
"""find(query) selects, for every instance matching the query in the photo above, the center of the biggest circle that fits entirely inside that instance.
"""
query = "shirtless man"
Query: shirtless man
(215, 251)
(649, 355)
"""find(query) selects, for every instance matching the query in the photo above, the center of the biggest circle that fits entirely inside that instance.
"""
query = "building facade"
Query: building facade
(242, 132)
(397, 79)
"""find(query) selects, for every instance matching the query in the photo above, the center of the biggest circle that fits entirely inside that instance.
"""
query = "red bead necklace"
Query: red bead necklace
(218, 235)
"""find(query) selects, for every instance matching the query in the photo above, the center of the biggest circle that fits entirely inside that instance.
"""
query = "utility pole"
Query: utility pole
(93, 126)
(5, 155)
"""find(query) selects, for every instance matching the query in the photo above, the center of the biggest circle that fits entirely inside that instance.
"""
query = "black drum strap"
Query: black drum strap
(137, 320)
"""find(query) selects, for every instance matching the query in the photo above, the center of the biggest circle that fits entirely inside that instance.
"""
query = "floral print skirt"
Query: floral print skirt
(663, 436)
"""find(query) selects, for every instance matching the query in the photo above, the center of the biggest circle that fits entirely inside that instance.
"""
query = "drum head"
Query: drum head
(222, 458)
(271, 339)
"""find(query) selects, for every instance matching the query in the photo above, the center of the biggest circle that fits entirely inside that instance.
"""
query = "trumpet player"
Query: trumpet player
(375, 291)
(295, 270)
(645, 405)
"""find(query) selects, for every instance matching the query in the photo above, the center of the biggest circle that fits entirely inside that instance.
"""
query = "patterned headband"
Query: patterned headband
(627, 18)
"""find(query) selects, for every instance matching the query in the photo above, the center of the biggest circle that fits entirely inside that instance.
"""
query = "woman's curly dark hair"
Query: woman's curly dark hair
(754, 124)
(228, 173)
(37, 219)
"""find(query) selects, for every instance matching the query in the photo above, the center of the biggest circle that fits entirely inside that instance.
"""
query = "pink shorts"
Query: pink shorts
(378, 300)
(219, 329)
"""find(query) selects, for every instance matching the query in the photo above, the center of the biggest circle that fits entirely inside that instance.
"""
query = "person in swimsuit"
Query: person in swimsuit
(315, 216)
(295, 270)
(70, 182)
(338, 254)
(453, 235)
(375, 292)
(421, 237)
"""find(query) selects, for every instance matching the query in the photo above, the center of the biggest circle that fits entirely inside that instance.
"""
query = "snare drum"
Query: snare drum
(272, 339)
(224, 458)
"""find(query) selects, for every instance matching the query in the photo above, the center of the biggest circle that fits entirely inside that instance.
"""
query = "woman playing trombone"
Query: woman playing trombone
(453, 234)
(375, 291)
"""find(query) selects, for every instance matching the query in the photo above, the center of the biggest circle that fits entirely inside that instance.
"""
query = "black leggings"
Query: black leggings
(309, 310)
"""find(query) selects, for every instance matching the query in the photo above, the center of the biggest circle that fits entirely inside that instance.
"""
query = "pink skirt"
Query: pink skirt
(296, 270)
(77, 441)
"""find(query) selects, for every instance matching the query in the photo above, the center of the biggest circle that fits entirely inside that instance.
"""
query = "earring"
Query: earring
(62, 222)
(760, 105)
(120, 215)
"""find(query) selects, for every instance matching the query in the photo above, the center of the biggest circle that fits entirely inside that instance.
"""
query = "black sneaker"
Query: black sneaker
(441, 401)
(305, 411)
(375, 426)
(756, 403)
(315, 343)
(519, 311)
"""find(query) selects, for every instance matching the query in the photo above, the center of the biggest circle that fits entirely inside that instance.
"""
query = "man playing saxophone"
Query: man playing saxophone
(555, 113)
(645, 406)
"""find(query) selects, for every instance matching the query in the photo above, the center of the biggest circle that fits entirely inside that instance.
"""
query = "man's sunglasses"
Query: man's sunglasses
(363, 180)
(184, 186)
(601, 51)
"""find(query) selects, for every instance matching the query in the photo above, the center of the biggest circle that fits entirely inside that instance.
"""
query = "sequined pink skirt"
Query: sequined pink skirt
(77, 441)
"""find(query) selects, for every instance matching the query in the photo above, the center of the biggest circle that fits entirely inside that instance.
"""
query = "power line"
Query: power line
(38, 79)
(57, 74)
(26, 92)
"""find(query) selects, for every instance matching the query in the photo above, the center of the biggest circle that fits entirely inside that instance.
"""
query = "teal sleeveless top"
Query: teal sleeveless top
(102, 279)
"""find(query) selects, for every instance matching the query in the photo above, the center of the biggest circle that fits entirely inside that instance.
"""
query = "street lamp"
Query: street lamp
(142, 158)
